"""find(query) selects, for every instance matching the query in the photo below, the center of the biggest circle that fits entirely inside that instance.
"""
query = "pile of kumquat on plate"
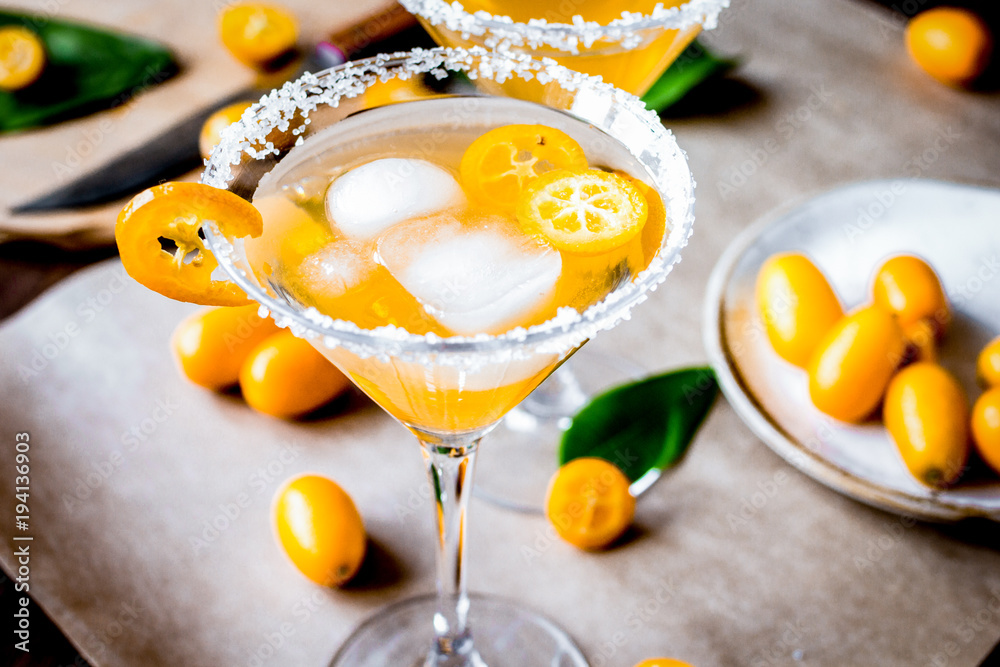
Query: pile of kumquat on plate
(881, 359)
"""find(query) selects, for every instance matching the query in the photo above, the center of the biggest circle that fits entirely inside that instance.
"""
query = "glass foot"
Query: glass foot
(503, 634)
(522, 454)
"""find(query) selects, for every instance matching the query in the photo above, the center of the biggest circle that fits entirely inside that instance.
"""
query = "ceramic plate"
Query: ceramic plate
(848, 232)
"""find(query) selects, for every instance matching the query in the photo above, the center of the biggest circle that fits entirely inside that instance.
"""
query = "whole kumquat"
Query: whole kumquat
(797, 305)
(211, 345)
(257, 34)
(953, 45)
(988, 364)
(319, 528)
(908, 287)
(22, 58)
(589, 503)
(499, 165)
(211, 131)
(927, 415)
(285, 376)
(986, 427)
(852, 366)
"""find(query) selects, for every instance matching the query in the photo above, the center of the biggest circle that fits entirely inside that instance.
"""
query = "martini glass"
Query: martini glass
(630, 52)
(427, 382)
(628, 43)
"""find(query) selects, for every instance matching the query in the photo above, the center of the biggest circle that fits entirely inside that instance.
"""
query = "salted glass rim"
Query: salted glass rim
(569, 328)
(565, 36)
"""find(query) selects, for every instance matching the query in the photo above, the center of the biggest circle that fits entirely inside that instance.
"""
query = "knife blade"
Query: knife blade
(171, 153)
(175, 151)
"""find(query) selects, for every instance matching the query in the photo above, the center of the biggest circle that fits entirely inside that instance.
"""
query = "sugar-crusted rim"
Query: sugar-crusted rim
(619, 114)
(627, 31)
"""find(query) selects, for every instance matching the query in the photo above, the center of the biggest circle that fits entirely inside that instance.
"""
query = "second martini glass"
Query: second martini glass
(629, 43)
(448, 391)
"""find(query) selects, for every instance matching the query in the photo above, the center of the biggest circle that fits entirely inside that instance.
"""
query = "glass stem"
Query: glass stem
(450, 466)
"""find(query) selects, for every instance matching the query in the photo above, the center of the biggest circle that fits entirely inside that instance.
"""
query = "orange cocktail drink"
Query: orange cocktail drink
(629, 44)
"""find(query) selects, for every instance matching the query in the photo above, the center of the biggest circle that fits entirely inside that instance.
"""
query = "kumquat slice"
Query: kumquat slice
(500, 164)
(583, 212)
(159, 239)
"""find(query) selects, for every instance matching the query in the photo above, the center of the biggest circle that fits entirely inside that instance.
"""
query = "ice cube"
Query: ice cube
(335, 269)
(485, 277)
(369, 199)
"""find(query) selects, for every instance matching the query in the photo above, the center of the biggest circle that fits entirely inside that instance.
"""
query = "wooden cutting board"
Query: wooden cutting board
(36, 161)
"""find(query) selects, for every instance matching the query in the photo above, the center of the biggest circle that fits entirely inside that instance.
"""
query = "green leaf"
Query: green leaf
(694, 65)
(643, 426)
(87, 69)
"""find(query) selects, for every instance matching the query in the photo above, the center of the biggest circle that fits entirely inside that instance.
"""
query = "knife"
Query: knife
(175, 150)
